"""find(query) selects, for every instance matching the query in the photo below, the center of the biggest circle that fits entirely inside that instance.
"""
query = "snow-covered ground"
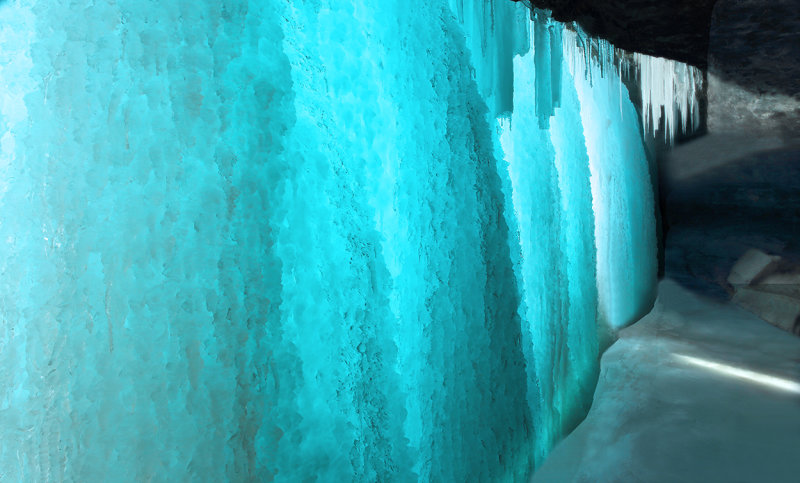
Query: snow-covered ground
(698, 390)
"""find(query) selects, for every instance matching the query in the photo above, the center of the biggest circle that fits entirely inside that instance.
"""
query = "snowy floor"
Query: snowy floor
(697, 391)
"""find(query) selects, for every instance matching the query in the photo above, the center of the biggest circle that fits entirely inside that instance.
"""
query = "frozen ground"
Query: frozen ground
(698, 390)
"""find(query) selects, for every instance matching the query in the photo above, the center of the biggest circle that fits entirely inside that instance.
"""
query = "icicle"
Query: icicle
(556, 56)
(619, 73)
(672, 86)
(542, 58)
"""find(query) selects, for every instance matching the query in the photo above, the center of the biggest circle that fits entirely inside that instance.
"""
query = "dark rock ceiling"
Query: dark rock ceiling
(756, 43)
(676, 29)
(753, 43)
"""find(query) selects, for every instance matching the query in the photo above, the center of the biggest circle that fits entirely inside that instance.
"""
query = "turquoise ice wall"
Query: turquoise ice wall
(309, 240)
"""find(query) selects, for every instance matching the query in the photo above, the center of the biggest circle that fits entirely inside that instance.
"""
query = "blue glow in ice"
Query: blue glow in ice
(325, 240)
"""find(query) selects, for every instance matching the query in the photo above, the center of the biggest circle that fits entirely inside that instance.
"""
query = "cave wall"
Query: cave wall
(754, 68)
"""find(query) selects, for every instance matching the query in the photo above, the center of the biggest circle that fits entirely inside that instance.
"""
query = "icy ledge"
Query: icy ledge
(695, 391)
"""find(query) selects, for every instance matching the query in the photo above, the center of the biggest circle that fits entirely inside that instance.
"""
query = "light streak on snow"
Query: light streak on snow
(787, 385)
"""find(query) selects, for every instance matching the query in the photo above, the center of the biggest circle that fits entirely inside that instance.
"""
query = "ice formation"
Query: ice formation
(672, 87)
(581, 197)
(293, 240)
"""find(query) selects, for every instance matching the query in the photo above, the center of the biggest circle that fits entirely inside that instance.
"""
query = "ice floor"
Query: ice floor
(697, 391)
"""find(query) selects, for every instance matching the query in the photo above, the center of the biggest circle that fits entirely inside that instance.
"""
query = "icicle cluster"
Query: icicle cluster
(672, 86)
(668, 88)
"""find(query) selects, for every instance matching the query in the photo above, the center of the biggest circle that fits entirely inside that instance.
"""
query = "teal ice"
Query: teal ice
(308, 240)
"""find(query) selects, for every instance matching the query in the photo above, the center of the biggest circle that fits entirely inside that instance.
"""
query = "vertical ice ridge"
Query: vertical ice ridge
(544, 89)
(568, 98)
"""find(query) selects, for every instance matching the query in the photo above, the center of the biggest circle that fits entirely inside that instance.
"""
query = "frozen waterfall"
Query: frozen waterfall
(312, 240)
